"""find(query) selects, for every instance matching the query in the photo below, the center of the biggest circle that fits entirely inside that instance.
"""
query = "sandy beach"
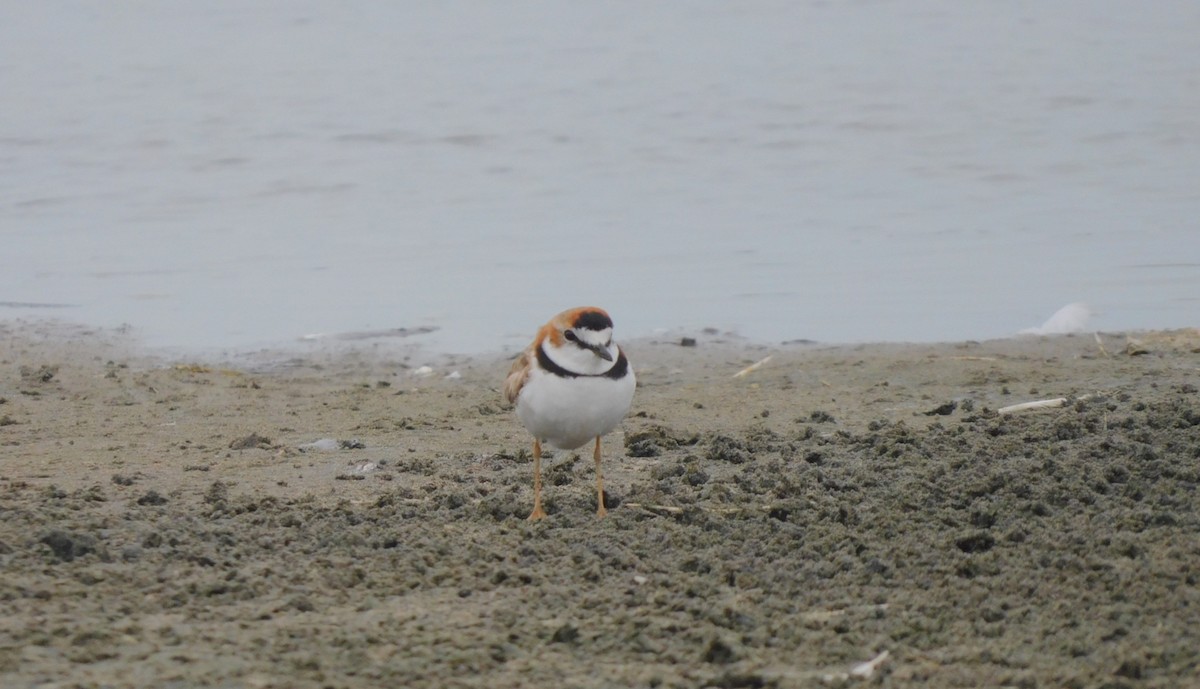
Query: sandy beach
(859, 515)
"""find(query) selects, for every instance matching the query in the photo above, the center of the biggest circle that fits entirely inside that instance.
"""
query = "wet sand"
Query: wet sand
(168, 522)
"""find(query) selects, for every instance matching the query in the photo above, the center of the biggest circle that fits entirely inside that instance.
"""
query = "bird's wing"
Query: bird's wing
(517, 375)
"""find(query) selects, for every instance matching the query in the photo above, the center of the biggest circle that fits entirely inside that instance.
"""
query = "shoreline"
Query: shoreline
(407, 341)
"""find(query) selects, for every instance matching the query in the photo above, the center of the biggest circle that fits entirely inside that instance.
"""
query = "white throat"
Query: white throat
(581, 360)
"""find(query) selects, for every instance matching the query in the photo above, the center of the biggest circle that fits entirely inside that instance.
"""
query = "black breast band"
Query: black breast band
(617, 371)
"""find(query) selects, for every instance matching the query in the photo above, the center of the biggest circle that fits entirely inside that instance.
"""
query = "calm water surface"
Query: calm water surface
(228, 174)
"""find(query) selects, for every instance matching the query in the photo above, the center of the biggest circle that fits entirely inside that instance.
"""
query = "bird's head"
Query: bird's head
(581, 339)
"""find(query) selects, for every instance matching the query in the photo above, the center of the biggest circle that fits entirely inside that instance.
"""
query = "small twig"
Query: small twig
(1100, 344)
(669, 509)
(732, 510)
(868, 668)
(863, 670)
(974, 358)
(672, 509)
(826, 615)
(752, 367)
(1039, 404)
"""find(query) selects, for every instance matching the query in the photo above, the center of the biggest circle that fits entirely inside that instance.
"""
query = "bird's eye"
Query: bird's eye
(570, 335)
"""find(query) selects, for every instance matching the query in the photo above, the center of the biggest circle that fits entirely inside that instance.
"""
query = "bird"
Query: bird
(572, 385)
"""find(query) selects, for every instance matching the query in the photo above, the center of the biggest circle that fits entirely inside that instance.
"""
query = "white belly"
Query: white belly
(569, 412)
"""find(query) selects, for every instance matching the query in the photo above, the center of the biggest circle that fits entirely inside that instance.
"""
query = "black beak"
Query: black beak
(601, 352)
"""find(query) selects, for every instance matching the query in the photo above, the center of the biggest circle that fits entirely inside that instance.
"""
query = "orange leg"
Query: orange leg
(538, 512)
(600, 510)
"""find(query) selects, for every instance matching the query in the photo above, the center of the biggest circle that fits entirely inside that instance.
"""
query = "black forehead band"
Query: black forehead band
(592, 320)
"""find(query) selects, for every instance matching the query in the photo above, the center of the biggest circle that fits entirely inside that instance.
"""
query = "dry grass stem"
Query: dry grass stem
(868, 668)
(752, 367)
(1100, 344)
(1039, 404)
(826, 615)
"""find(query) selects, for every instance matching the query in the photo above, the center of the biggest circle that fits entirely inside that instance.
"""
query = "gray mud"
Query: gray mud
(774, 530)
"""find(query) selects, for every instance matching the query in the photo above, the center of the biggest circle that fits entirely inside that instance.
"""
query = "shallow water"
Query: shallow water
(226, 175)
